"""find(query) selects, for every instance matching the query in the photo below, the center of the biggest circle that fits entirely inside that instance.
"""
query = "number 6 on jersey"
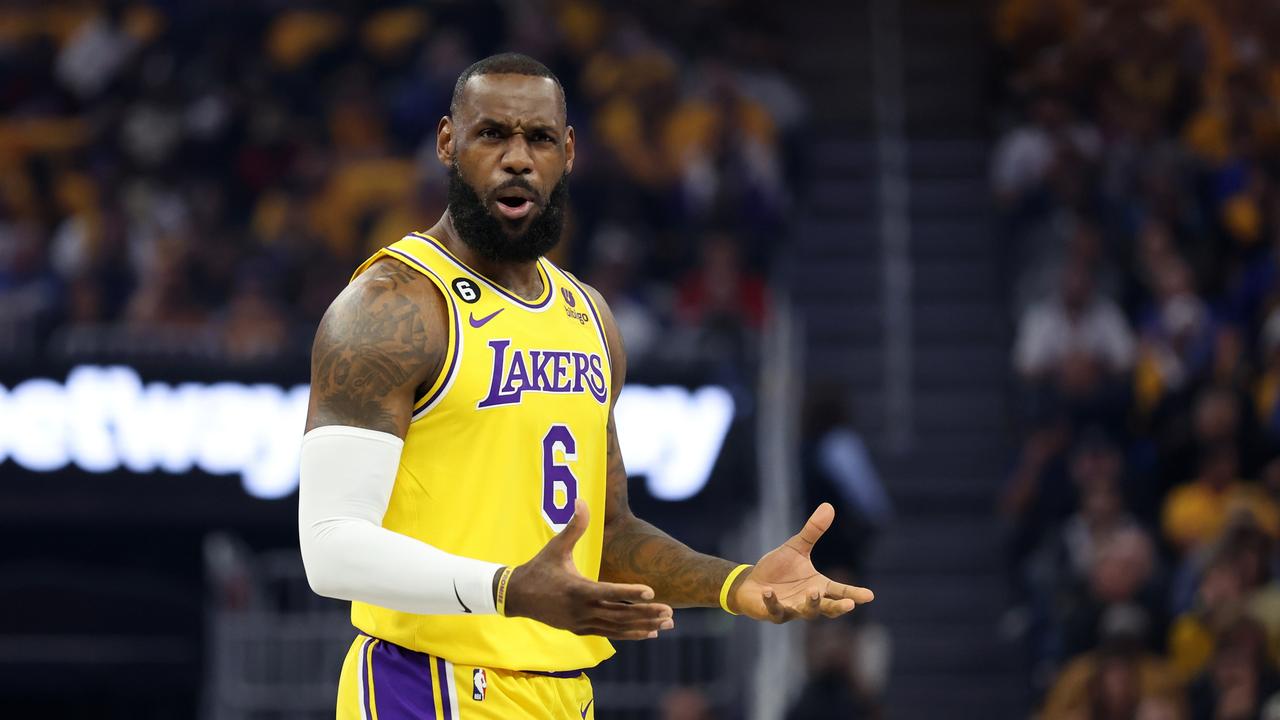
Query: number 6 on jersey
(557, 508)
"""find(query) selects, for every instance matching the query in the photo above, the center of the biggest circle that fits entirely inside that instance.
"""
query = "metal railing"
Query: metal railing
(276, 649)
(778, 651)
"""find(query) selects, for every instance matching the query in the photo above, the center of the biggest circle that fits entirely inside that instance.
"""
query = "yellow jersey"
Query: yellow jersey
(512, 430)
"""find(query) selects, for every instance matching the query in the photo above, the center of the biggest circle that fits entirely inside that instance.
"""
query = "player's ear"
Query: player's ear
(568, 150)
(444, 141)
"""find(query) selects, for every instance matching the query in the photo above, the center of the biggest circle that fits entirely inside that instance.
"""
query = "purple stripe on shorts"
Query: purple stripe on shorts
(364, 675)
(444, 688)
(404, 690)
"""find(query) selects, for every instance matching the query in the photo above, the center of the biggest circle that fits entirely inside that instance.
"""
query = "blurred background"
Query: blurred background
(998, 279)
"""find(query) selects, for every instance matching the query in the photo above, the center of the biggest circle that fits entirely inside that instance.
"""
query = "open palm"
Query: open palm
(785, 585)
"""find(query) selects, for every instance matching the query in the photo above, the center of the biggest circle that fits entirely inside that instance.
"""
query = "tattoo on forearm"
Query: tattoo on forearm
(366, 349)
(637, 552)
(641, 553)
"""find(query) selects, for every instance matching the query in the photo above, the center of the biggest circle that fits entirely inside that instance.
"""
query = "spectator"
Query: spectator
(834, 677)
(1197, 512)
(1101, 516)
(1076, 340)
(1157, 122)
(1156, 707)
(615, 275)
(1065, 545)
(142, 194)
(721, 303)
(721, 289)
(1121, 576)
(1111, 683)
(255, 327)
(1177, 335)
(838, 469)
(1267, 387)
(1219, 603)
(686, 703)
(1240, 678)
(1025, 158)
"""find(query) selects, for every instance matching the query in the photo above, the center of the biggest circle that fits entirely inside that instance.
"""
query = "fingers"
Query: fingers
(620, 592)
(839, 591)
(835, 608)
(655, 613)
(814, 527)
(623, 621)
(574, 529)
(807, 607)
(778, 612)
(620, 622)
(613, 635)
(812, 606)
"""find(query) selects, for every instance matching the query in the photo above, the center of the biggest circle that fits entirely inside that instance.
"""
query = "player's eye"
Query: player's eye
(490, 133)
(543, 138)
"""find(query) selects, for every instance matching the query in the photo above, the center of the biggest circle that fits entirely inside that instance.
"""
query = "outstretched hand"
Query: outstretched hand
(784, 585)
(550, 589)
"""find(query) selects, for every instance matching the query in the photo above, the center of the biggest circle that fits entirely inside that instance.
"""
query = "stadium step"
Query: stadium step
(909, 598)
(942, 647)
(938, 546)
(937, 569)
(991, 695)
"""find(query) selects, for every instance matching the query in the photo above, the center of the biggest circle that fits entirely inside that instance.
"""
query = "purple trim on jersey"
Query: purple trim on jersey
(562, 674)
(404, 690)
(491, 284)
(452, 366)
(443, 672)
(595, 314)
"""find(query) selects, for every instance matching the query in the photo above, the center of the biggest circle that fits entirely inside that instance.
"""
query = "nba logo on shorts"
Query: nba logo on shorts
(478, 684)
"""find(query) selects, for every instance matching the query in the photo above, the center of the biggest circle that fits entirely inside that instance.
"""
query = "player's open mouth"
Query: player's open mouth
(514, 205)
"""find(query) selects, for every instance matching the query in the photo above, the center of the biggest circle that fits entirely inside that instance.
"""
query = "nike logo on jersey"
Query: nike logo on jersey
(586, 707)
(465, 609)
(480, 323)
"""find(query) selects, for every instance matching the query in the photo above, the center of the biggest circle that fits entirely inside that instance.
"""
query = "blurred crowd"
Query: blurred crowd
(1138, 180)
(202, 177)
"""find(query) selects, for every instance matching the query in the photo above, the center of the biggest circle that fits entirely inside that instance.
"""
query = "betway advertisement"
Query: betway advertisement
(109, 419)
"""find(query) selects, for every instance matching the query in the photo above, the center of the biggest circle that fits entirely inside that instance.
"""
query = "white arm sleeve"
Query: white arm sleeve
(346, 482)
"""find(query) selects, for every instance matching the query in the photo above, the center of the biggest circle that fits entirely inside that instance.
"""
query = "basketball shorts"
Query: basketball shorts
(382, 681)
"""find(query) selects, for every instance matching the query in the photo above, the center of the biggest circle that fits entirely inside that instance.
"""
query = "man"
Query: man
(460, 442)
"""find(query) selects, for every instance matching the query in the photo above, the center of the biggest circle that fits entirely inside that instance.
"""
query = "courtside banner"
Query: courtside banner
(110, 419)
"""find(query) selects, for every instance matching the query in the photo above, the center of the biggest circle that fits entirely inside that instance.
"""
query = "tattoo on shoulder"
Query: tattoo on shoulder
(371, 345)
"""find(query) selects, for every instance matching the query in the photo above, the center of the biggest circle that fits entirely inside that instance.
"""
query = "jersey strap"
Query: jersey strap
(404, 251)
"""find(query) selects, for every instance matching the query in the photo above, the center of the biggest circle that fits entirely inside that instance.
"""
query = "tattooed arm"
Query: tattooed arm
(634, 550)
(383, 338)
(783, 585)
(637, 552)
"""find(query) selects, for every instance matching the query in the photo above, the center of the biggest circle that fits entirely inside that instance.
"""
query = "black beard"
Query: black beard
(483, 232)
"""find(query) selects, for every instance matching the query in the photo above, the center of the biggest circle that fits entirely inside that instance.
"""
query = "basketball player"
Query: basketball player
(461, 479)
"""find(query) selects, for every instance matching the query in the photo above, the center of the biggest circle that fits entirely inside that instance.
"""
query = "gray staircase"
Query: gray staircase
(937, 572)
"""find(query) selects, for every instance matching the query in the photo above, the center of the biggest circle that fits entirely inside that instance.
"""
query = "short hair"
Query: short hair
(505, 64)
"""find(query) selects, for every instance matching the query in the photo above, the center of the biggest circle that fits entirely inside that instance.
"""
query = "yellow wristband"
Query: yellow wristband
(501, 599)
(728, 583)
